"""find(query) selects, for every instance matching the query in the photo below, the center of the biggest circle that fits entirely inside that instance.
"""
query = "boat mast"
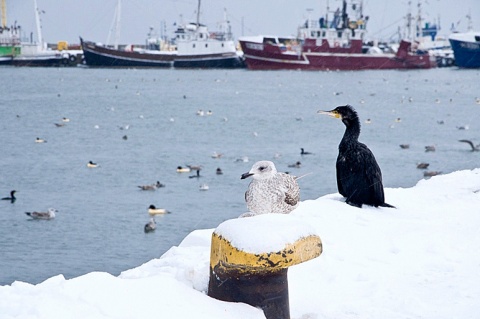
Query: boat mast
(4, 14)
(39, 26)
(198, 14)
(115, 25)
(418, 31)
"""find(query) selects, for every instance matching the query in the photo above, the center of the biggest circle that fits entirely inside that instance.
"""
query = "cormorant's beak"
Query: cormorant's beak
(331, 113)
(246, 175)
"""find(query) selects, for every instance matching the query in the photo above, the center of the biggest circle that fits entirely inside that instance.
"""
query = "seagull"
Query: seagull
(404, 146)
(270, 191)
(150, 226)
(216, 155)
(50, 214)
(219, 171)
(40, 140)
(474, 147)
(430, 148)
(12, 197)
(151, 187)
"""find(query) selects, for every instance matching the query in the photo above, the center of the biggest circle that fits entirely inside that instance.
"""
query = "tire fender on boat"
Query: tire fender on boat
(336, 44)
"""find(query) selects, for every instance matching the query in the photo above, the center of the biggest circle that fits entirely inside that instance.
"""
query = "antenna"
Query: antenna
(4, 14)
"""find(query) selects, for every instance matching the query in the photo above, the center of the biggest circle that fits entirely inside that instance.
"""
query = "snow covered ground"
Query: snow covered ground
(420, 260)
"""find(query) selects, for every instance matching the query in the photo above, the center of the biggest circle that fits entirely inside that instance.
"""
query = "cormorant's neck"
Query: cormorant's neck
(352, 131)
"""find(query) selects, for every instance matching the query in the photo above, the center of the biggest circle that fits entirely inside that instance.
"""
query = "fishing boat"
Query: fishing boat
(9, 42)
(9, 37)
(193, 46)
(151, 56)
(199, 48)
(330, 45)
(466, 49)
(438, 46)
(17, 51)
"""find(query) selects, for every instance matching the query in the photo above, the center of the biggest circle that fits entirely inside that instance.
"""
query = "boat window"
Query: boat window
(339, 34)
(269, 40)
(206, 45)
(193, 45)
(323, 34)
(477, 38)
(222, 45)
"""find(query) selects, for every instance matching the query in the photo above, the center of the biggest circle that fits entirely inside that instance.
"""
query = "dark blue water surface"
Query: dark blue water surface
(259, 115)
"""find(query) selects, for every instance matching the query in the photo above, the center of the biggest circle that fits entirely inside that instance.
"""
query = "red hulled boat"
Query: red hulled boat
(335, 45)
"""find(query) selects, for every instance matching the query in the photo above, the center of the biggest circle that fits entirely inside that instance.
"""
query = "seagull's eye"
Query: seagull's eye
(261, 168)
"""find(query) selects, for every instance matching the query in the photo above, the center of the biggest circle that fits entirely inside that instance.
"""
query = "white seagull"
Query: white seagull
(50, 214)
(270, 191)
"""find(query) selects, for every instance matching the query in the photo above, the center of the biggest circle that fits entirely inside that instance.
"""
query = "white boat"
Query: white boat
(199, 48)
(36, 53)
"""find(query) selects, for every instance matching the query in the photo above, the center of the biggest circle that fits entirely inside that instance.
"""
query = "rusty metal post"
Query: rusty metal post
(257, 279)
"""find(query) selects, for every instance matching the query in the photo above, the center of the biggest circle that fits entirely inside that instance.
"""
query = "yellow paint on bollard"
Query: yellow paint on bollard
(258, 279)
(223, 254)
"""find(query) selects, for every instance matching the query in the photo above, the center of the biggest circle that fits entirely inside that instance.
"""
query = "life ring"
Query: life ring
(65, 61)
(336, 44)
(72, 58)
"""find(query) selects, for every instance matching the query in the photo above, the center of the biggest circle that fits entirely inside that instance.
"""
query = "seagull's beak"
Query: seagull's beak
(332, 113)
(246, 175)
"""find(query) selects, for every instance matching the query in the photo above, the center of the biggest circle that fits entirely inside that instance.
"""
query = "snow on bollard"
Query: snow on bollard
(249, 260)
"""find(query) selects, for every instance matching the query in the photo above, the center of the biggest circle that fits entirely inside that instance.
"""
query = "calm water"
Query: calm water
(261, 115)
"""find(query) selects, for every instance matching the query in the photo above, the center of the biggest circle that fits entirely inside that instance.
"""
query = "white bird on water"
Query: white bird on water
(270, 191)
(50, 214)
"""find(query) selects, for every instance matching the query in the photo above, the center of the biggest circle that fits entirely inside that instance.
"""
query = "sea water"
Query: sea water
(247, 116)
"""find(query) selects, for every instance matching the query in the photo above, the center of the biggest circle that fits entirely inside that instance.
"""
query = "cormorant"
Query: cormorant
(473, 146)
(303, 152)
(12, 197)
(359, 177)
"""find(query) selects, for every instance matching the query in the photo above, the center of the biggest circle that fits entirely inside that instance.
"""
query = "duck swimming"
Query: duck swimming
(91, 164)
(12, 197)
(150, 226)
(152, 210)
(151, 187)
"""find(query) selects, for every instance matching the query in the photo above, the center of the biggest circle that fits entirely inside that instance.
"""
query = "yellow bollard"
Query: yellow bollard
(253, 277)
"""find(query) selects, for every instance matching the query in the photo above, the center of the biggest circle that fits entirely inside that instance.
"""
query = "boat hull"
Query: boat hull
(224, 61)
(99, 56)
(260, 56)
(467, 54)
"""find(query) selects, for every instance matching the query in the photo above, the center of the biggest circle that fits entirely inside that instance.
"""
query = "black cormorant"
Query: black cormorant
(303, 152)
(473, 146)
(359, 177)
(12, 197)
